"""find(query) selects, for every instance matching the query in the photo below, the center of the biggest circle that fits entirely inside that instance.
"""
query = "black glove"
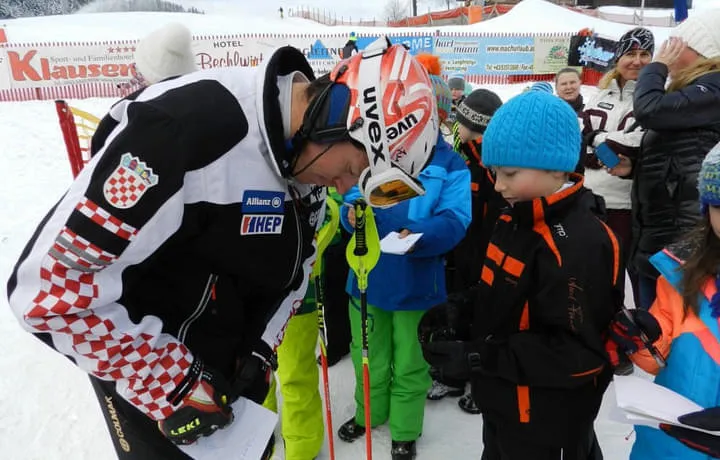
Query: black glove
(449, 320)
(252, 378)
(708, 419)
(448, 359)
(625, 332)
(202, 401)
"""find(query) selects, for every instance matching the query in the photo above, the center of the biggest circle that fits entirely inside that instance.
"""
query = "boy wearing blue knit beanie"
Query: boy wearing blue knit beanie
(530, 337)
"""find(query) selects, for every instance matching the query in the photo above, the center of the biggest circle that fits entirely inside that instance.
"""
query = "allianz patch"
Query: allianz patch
(263, 202)
(262, 224)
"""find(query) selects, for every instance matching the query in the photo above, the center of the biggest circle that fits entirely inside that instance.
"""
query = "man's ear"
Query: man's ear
(560, 175)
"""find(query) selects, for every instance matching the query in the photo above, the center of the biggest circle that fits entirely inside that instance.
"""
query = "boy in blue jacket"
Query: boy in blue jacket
(400, 289)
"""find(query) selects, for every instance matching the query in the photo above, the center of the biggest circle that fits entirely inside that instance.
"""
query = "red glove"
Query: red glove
(624, 334)
(586, 32)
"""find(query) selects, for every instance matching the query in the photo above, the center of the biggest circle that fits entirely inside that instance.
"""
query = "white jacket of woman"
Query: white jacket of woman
(611, 111)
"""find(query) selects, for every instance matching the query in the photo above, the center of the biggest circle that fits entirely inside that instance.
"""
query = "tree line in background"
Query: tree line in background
(25, 8)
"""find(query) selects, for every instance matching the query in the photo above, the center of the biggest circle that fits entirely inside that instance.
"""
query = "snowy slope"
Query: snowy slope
(47, 410)
(239, 18)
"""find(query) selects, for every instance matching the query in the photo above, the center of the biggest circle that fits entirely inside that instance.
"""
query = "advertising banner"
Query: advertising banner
(551, 54)
(47, 65)
(416, 43)
(323, 52)
(469, 55)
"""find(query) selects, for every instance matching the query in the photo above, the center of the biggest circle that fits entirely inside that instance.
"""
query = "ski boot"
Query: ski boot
(403, 450)
(439, 390)
(467, 404)
(350, 431)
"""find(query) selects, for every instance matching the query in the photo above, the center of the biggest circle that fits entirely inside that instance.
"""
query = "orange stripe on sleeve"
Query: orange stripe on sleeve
(597, 370)
(523, 395)
(525, 318)
(487, 276)
(616, 251)
(494, 253)
(513, 266)
(541, 228)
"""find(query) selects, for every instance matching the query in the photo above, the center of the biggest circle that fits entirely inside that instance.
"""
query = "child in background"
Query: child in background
(465, 261)
(457, 87)
(531, 336)
(687, 308)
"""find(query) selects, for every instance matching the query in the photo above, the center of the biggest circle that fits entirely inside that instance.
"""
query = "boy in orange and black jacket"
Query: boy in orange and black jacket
(473, 115)
(464, 262)
(531, 335)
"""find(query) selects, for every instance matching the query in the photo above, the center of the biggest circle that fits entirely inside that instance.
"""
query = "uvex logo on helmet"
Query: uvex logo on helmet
(374, 132)
(402, 126)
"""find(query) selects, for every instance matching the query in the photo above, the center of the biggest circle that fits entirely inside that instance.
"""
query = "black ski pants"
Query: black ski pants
(507, 445)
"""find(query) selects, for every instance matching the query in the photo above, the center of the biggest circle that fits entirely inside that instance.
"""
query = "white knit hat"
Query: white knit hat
(166, 52)
(701, 31)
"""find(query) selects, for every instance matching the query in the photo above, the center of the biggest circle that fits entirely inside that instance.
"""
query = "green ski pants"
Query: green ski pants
(399, 376)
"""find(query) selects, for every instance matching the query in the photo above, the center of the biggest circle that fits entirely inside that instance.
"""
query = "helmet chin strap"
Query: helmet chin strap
(311, 162)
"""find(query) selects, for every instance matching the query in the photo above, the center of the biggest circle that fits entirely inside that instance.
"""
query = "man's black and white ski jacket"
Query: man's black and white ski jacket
(180, 238)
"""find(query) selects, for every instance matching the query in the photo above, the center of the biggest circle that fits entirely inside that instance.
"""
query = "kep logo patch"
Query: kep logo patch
(261, 224)
(263, 202)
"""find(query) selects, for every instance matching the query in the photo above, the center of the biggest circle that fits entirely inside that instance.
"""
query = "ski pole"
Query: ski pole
(324, 238)
(362, 255)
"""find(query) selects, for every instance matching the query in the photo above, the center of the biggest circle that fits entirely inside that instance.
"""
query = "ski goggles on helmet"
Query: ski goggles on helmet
(387, 188)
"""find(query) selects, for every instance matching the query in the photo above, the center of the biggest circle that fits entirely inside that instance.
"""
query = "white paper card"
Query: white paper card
(646, 403)
(392, 244)
(244, 439)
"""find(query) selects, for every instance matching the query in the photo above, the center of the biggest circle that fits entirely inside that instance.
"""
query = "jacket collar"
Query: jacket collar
(626, 93)
(534, 213)
(537, 213)
(283, 61)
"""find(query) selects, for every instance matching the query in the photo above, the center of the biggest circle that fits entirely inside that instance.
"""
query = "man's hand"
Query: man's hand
(202, 401)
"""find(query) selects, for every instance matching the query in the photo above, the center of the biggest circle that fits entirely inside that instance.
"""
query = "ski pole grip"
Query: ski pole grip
(361, 248)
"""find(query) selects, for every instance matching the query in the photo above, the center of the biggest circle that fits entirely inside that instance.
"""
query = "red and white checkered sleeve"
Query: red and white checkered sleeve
(68, 285)
(70, 292)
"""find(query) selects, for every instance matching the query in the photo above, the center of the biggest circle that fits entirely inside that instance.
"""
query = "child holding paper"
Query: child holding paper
(687, 308)
(400, 289)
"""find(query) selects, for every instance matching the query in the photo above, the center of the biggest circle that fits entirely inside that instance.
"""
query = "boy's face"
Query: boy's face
(457, 93)
(466, 135)
(521, 184)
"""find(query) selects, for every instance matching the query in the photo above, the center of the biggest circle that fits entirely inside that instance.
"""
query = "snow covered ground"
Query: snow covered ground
(47, 410)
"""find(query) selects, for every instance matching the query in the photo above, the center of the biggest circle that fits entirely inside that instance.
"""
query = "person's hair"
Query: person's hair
(613, 74)
(702, 66)
(317, 86)
(566, 70)
(702, 262)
